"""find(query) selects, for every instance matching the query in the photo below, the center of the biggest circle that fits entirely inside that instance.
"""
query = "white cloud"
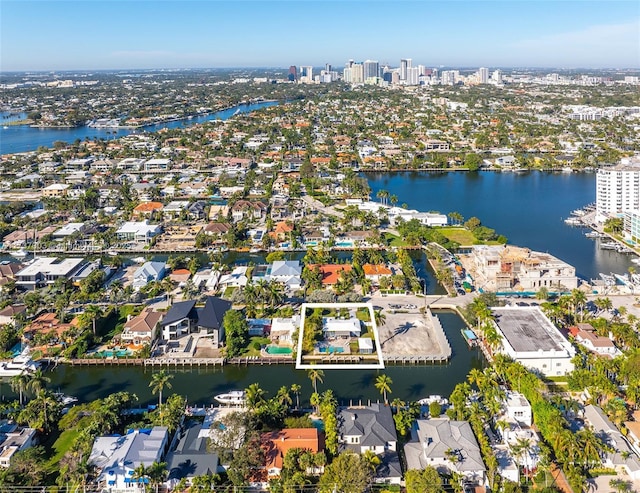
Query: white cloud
(605, 45)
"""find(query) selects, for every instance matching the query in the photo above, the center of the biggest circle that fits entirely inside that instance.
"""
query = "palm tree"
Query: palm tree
(20, 383)
(254, 395)
(158, 382)
(380, 317)
(393, 199)
(295, 388)
(38, 381)
(371, 460)
(93, 312)
(383, 384)
(284, 397)
(315, 376)
(157, 472)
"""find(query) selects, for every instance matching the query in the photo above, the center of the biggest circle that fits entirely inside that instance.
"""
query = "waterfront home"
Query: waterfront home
(157, 164)
(190, 458)
(371, 428)
(130, 164)
(344, 328)
(287, 272)
(45, 270)
(517, 408)
(142, 328)
(529, 337)
(216, 229)
(116, 457)
(49, 324)
(259, 326)
(282, 329)
(281, 231)
(276, 444)
(507, 268)
(197, 210)
(585, 335)
(67, 230)
(183, 318)
(138, 232)
(148, 272)
(8, 272)
(449, 446)
(620, 455)
(13, 439)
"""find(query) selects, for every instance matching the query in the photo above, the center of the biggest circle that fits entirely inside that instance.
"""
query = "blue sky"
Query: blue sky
(94, 34)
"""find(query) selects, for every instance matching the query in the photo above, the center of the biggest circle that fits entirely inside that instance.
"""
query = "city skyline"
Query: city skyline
(119, 34)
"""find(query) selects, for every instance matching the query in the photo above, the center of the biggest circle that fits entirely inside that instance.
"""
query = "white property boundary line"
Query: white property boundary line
(341, 366)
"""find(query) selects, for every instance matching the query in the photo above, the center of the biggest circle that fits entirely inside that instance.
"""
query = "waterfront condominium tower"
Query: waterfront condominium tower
(617, 190)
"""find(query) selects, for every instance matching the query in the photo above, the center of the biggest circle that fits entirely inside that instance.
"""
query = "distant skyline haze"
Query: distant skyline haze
(103, 35)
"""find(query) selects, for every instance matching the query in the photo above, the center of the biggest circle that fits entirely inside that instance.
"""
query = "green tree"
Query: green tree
(348, 473)
(315, 375)
(383, 384)
(426, 480)
(159, 381)
(237, 333)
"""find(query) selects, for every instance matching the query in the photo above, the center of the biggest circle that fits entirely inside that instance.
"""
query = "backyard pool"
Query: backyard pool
(345, 244)
(279, 350)
(331, 349)
(110, 353)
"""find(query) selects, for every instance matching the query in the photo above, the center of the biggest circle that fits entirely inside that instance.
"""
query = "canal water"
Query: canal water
(528, 208)
(200, 385)
(23, 138)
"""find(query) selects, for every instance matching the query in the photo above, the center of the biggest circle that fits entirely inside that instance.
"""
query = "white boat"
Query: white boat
(18, 365)
(139, 260)
(608, 280)
(433, 398)
(593, 234)
(20, 253)
(573, 221)
(610, 245)
(578, 212)
(65, 399)
(636, 260)
(234, 397)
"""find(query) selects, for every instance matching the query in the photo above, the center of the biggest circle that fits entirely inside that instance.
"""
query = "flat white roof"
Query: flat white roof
(51, 265)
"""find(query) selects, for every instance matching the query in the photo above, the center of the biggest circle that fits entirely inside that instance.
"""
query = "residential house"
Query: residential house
(10, 314)
(621, 455)
(141, 329)
(371, 428)
(585, 334)
(449, 446)
(243, 209)
(148, 272)
(184, 318)
(190, 458)
(145, 209)
(116, 457)
(174, 208)
(276, 444)
(375, 272)
(287, 272)
(8, 272)
(331, 272)
(48, 323)
(206, 277)
(216, 230)
(45, 270)
(138, 231)
(344, 328)
(237, 278)
(67, 230)
(281, 231)
(282, 329)
(180, 276)
(56, 190)
(197, 210)
(13, 438)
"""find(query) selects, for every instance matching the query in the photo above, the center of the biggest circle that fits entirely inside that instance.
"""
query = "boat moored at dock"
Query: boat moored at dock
(233, 398)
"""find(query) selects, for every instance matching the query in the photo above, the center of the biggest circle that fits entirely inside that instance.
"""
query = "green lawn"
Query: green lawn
(60, 447)
(393, 240)
(462, 236)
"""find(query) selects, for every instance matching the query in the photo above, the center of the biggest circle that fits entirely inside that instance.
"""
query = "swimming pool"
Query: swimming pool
(344, 244)
(331, 349)
(108, 353)
(279, 350)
